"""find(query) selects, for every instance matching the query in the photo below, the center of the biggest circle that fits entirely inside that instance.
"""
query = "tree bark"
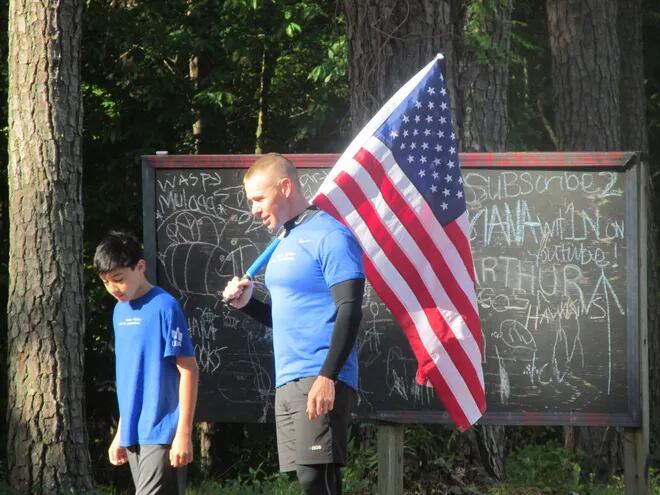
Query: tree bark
(268, 61)
(585, 73)
(632, 96)
(634, 136)
(197, 127)
(389, 41)
(484, 81)
(47, 437)
(586, 81)
(484, 88)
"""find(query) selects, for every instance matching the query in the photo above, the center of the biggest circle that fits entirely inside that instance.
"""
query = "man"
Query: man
(315, 278)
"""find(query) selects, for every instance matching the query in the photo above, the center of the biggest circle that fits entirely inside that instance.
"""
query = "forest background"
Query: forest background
(246, 76)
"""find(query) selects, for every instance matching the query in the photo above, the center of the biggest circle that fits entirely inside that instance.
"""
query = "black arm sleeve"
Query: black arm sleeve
(260, 311)
(347, 297)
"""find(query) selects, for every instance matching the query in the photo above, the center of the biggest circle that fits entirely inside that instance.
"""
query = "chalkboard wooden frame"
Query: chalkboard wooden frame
(626, 163)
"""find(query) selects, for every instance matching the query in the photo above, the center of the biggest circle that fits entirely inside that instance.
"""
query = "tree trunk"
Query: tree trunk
(268, 61)
(197, 128)
(632, 97)
(634, 137)
(484, 79)
(585, 78)
(585, 73)
(47, 437)
(389, 41)
(484, 87)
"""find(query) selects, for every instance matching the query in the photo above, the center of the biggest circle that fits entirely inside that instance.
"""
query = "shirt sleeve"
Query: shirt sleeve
(340, 257)
(176, 333)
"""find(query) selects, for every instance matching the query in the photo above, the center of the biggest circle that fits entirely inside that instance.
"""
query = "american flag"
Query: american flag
(398, 187)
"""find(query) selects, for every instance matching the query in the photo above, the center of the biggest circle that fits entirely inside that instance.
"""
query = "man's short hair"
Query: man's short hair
(117, 250)
(276, 166)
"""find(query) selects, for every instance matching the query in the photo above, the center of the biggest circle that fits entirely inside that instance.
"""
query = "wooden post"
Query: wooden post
(636, 440)
(390, 459)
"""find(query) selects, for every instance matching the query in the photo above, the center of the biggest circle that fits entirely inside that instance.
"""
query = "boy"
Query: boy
(156, 371)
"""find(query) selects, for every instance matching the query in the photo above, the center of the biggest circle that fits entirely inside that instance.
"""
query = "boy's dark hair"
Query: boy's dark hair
(117, 250)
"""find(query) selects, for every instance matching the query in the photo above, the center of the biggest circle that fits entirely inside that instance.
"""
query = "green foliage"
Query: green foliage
(361, 474)
(483, 50)
(548, 467)
(654, 476)
(255, 482)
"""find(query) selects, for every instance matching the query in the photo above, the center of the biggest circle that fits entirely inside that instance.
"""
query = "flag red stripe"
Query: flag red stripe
(435, 258)
(410, 274)
(460, 240)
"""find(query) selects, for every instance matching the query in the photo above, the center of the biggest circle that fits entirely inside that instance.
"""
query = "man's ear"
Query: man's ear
(286, 186)
(141, 265)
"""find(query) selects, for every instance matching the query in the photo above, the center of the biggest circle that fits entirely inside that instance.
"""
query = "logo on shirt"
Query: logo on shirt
(283, 257)
(129, 322)
(316, 447)
(177, 337)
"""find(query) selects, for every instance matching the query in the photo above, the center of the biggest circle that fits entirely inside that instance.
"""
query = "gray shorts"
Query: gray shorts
(152, 472)
(301, 441)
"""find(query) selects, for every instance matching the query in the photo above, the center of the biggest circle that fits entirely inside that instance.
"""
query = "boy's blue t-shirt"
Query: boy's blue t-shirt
(314, 256)
(150, 332)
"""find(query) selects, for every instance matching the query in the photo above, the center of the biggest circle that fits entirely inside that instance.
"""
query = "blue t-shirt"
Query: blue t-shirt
(313, 257)
(149, 332)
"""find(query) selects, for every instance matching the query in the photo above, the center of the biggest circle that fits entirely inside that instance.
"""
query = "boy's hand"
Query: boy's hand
(116, 453)
(238, 292)
(181, 452)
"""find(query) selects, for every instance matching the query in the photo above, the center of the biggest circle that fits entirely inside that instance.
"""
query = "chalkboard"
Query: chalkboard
(556, 253)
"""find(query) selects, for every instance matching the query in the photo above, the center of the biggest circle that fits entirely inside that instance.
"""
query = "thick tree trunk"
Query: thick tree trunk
(389, 41)
(634, 136)
(632, 97)
(484, 80)
(585, 73)
(586, 76)
(47, 437)
(483, 89)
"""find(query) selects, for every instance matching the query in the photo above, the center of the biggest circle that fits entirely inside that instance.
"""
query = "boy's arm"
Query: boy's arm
(116, 453)
(181, 452)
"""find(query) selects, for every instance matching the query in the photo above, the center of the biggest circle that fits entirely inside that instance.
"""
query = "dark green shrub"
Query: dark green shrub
(548, 467)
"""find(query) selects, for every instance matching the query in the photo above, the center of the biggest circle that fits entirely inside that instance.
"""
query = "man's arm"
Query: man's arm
(181, 452)
(260, 311)
(347, 297)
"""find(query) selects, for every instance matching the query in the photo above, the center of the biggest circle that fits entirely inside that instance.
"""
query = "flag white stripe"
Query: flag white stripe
(405, 293)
